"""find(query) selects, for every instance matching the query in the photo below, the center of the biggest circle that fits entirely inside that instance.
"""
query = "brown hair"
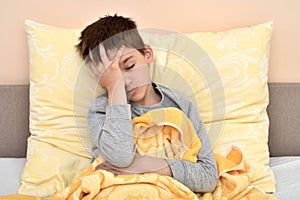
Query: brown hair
(114, 31)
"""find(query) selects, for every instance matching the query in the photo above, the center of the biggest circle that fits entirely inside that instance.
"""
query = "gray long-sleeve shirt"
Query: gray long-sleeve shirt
(112, 134)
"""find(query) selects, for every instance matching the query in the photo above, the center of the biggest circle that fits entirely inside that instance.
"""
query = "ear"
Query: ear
(148, 53)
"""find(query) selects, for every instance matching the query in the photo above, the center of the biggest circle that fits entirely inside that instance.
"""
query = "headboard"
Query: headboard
(283, 111)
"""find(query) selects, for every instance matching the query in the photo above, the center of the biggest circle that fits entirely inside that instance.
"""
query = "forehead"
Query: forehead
(128, 52)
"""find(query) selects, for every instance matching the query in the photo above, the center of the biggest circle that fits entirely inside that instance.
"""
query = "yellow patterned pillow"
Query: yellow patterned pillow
(61, 89)
(226, 75)
(241, 57)
(60, 93)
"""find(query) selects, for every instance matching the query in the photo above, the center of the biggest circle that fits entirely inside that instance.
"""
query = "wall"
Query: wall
(182, 16)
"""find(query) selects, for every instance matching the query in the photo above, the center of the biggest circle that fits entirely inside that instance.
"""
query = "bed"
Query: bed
(24, 108)
(284, 138)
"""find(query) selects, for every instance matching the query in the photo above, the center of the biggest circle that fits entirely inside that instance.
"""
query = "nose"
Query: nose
(128, 80)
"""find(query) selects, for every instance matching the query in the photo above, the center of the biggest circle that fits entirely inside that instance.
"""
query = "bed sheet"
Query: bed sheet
(10, 173)
(287, 174)
(286, 170)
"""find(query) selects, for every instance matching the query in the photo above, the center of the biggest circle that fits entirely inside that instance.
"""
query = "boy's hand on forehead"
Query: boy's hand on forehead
(99, 67)
(107, 72)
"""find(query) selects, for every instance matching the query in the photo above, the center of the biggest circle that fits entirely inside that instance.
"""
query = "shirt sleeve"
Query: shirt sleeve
(112, 133)
(200, 176)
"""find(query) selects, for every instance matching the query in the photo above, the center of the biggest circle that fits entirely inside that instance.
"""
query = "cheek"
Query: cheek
(138, 76)
(138, 94)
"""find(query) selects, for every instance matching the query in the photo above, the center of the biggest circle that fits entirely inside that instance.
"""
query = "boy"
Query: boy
(119, 58)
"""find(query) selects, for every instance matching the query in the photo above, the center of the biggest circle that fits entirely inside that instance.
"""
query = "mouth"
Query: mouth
(131, 91)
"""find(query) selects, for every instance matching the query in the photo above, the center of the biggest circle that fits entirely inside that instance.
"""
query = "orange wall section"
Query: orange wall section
(181, 16)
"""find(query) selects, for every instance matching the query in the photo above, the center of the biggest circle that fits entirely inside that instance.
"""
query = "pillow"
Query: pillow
(232, 101)
(241, 57)
(59, 147)
(226, 75)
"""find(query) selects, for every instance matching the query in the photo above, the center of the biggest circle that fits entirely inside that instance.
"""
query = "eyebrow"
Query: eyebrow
(126, 59)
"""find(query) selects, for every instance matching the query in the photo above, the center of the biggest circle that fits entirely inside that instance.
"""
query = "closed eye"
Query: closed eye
(130, 67)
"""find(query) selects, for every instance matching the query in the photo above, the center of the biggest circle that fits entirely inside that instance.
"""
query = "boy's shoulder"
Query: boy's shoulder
(173, 93)
(183, 102)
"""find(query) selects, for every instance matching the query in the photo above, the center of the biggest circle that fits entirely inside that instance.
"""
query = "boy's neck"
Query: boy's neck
(152, 96)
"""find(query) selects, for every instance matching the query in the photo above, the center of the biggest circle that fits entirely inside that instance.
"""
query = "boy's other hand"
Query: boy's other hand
(140, 165)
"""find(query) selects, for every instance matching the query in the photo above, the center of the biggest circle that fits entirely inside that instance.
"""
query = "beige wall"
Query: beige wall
(178, 15)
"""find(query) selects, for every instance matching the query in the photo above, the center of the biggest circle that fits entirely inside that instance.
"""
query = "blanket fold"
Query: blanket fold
(235, 179)
(162, 133)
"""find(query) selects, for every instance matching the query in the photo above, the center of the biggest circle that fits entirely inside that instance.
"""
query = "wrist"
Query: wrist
(158, 165)
(117, 95)
(166, 170)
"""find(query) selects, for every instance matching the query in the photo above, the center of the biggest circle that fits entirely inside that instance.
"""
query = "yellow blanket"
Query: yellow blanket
(235, 179)
(162, 133)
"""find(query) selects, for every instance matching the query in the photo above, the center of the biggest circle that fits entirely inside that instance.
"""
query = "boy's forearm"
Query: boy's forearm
(165, 170)
(140, 165)
(152, 164)
(199, 177)
(117, 95)
(112, 133)
(117, 140)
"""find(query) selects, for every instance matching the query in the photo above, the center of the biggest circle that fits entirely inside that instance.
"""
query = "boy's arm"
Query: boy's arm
(109, 75)
(140, 165)
(110, 119)
(199, 177)
(203, 175)
(111, 131)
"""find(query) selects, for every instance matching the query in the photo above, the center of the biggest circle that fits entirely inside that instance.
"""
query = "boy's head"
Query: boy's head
(114, 32)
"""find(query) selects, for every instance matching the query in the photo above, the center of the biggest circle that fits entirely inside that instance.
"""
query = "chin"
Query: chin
(135, 99)
(139, 96)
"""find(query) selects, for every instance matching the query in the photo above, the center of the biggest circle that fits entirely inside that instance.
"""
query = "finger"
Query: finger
(120, 52)
(101, 166)
(105, 165)
(108, 169)
(95, 71)
(103, 54)
(115, 172)
(96, 67)
(91, 57)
